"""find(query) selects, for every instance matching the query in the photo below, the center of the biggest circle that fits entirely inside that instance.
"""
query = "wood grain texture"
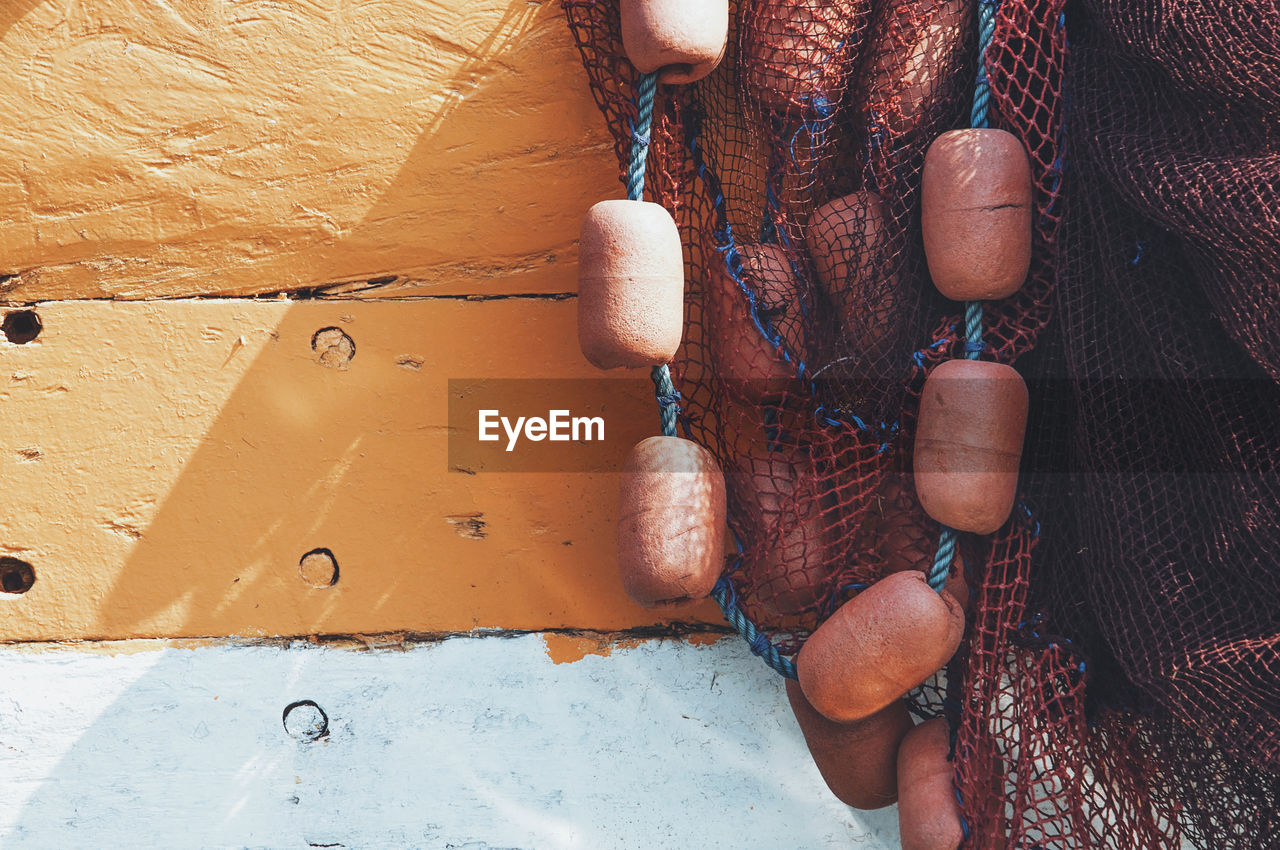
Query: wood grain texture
(168, 464)
(229, 147)
(470, 743)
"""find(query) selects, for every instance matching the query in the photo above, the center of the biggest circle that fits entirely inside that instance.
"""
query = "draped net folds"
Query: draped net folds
(1119, 685)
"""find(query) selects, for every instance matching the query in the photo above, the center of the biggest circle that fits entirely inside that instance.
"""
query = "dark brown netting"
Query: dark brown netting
(1121, 688)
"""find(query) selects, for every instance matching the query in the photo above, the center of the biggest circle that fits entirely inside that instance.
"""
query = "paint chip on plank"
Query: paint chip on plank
(410, 361)
(568, 648)
(335, 348)
(29, 454)
(470, 526)
(122, 528)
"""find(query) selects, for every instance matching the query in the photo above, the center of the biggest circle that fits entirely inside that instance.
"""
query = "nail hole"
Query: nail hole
(319, 568)
(21, 326)
(305, 721)
(16, 576)
(335, 348)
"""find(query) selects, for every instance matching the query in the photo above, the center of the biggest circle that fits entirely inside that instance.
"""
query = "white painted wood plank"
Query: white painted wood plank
(470, 743)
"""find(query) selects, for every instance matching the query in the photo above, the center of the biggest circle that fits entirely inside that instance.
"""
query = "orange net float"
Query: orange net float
(797, 56)
(975, 214)
(881, 644)
(928, 811)
(671, 523)
(853, 246)
(858, 761)
(775, 502)
(680, 40)
(750, 364)
(973, 417)
(630, 285)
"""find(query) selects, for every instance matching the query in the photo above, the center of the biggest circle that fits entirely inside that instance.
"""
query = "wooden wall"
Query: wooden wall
(191, 191)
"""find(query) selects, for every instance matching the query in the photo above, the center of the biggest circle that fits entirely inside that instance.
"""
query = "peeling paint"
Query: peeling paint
(470, 526)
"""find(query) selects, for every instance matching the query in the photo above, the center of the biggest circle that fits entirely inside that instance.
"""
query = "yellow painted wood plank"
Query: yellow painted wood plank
(229, 147)
(166, 465)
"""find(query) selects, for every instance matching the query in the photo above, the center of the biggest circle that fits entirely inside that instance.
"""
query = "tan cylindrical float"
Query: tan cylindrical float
(671, 523)
(973, 416)
(792, 52)
(742, 358)
(788, 523)
(975, 214)
(928, 811)
(683, 40)
(885, 641)
(630, 285)
(858, 761)
(853, 260)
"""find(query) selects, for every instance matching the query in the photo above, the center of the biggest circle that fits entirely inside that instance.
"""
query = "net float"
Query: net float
(879, 645)
(973, 415)
(855, 260)
(682, 40)
(671, 523)
(788, 524)
(975, 214)
(858, 761)
(797, 55)
(913, 58)
(928, 811)
(630, 285)
(744, 360)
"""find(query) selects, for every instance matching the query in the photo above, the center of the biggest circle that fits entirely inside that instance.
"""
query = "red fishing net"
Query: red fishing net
(1120, 687)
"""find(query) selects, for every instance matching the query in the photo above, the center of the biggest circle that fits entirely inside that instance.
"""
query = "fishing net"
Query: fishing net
(1119, 685)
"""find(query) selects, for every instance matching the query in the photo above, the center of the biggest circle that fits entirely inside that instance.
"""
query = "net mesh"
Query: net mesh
(1121, 688)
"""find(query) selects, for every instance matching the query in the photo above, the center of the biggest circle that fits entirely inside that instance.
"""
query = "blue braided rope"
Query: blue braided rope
(941, 569)
(974, 345)
(669, 398)
(982, 90)
(663, 389)
(757, 640)
(973, 329)
(640, 128)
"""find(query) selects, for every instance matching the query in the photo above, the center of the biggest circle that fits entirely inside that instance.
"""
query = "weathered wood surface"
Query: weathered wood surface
(154, 149)
(475, 743)
(166, 465)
